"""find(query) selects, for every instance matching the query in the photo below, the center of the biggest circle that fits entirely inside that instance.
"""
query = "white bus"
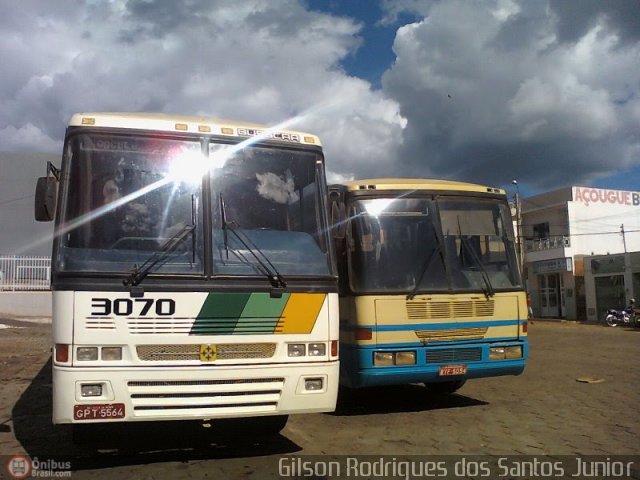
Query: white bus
(192, 272)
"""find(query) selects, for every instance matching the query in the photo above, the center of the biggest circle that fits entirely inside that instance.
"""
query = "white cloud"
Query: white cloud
(562, 108)
(490, 92)
(27, 138)
(485, 91)
(252, 60)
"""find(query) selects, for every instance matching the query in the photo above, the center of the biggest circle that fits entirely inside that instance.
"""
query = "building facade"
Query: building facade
(563, 232)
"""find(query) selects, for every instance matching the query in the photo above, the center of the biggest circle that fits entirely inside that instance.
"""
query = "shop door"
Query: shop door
(549, 291)
(610, 293)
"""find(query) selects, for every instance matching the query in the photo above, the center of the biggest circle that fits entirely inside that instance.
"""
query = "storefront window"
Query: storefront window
(608, 264)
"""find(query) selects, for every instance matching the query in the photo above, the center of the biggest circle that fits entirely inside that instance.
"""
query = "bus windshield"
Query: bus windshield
(420, 245)
(271, 199)
(126, 197)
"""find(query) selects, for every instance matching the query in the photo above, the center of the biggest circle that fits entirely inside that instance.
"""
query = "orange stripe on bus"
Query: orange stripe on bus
(300, 313)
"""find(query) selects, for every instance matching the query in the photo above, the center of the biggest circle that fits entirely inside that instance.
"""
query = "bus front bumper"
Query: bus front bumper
(358, 369)
(88, 395)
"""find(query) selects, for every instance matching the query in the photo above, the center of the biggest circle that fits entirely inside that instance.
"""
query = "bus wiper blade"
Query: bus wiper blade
(266, 267)
(139, 273)
(489, 292)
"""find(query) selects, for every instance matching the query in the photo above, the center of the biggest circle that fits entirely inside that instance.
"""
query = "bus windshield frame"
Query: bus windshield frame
(416, 244)
(127, 195)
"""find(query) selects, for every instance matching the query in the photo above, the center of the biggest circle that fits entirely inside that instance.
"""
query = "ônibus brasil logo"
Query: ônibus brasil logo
(19, 466)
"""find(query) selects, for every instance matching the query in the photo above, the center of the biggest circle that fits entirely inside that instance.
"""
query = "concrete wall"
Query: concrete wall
(25, 304)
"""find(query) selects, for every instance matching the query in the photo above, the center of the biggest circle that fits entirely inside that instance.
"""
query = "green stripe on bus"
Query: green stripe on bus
(261, 305)
(261, 313)
(224, 307)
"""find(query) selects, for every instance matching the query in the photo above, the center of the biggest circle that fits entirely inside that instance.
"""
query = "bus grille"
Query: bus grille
(454, 355)
(421, 310)
(203, 398)
(233, 351)
(448, 335)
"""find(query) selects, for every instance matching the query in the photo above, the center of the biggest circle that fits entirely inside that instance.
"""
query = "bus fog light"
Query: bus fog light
(405, 358)
(513, 352)
(383, 359)
(91, 390)
(296, 349)
(87, 353)
(317, 349)
(313, 384)
(111, 353)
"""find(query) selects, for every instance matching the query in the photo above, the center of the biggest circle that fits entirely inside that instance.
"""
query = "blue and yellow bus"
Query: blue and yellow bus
(430, 288)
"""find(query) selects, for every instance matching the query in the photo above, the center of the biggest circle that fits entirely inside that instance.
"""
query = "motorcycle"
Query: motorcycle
(630, 316)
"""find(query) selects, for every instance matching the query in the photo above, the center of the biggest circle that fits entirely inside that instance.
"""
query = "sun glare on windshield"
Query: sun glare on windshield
(377, 205)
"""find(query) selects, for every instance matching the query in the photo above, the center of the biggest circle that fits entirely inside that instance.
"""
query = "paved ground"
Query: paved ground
(545, 411)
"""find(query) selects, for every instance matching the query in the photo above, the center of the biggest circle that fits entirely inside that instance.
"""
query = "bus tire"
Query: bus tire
(445, 388)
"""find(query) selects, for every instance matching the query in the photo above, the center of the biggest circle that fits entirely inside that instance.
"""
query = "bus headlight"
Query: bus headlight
(111, 353)
(512, 352)
(383, 359)
(386, 359)
(405, 358)
(505, 353)
(86, 353)
(317, 349)
(496, 353)
(307, 349)
(296, 349)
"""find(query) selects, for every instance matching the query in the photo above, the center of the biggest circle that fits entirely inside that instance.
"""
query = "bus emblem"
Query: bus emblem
(208, 353)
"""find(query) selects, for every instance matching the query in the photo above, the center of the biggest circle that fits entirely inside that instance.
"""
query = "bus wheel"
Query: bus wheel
(444, 388)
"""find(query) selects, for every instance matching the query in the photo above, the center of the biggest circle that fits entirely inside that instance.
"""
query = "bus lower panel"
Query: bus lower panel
(357, 369)
(182, 393)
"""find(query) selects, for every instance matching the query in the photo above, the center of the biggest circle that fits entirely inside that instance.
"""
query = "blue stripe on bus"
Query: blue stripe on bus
(433, 345)
(436, 326)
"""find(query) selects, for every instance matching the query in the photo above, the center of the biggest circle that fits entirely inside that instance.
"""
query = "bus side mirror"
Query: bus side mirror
(45, 202)
(338, 216)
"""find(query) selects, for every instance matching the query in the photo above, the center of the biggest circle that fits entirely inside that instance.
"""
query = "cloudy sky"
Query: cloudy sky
(544, 91)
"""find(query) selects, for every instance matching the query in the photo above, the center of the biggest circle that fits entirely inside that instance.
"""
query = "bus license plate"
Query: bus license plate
(98, 412)
(450, 370)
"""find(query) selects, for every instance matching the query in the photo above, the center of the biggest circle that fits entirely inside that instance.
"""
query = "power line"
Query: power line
(5, 202)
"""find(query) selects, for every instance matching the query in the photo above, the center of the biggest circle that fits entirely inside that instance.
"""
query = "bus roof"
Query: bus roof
(417, 184)
(166, 122)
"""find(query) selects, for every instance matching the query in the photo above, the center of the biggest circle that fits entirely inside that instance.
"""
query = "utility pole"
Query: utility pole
(624, 239)
(519, 227)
